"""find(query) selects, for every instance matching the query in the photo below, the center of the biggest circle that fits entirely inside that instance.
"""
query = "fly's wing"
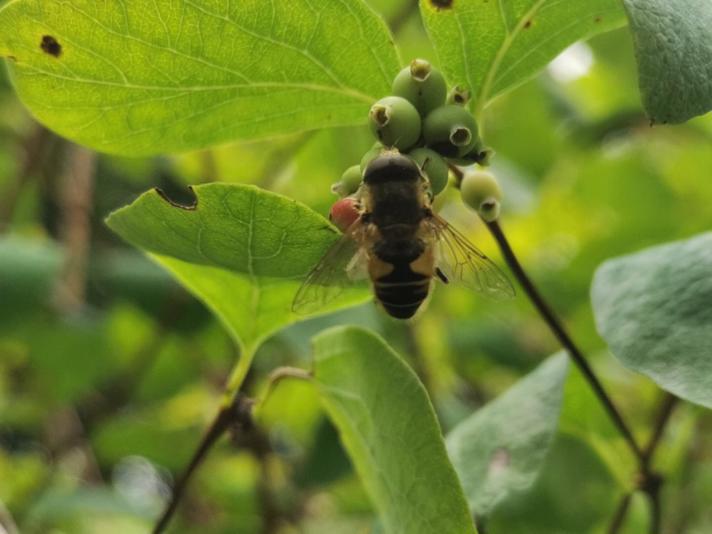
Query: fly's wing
(342, 266)
(462, 262)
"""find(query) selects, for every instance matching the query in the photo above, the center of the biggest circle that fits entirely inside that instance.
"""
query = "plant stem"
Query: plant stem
(236, 415)
(237, 376)
(564, 338)
(620, 514)
(650, 482)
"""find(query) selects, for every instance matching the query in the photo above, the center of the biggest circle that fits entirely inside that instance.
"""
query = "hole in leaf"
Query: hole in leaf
(442, 4)
(184, 199)
(51, 46)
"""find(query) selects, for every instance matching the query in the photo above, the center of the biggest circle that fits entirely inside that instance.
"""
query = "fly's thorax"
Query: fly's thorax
(391, 166)
(394, 191)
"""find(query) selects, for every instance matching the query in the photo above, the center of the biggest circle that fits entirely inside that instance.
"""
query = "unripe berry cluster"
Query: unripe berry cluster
(424, 121)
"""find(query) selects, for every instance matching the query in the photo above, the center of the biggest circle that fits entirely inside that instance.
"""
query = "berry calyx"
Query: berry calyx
(395, 122)
(422, 85)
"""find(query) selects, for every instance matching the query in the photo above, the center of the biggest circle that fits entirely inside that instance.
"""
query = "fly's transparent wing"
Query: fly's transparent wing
(342, 266)
(463, 263)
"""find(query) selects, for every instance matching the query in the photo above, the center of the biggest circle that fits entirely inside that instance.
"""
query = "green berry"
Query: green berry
(395, 122)
(458, 96)
(373, 152)
(450, 130)
(349, 183)
(480, 190)
(434, 167)
(422, 85)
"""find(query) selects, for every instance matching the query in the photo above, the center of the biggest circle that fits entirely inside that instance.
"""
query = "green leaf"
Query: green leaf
(491, 47)
(673, 45)
(28, 273)
(389, 429)
(499, 450)
(133, 77)
(653, 308)
(241, 250)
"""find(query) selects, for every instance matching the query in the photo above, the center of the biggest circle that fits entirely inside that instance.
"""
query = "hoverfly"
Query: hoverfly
(400, 244)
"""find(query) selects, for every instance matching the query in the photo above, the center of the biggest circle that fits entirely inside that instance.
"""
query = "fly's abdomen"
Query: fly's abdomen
(402, 291)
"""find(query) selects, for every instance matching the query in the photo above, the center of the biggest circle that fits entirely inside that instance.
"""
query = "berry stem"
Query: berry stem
(559, 331)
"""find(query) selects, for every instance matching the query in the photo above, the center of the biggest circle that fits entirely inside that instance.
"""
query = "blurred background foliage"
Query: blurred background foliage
(109, 371)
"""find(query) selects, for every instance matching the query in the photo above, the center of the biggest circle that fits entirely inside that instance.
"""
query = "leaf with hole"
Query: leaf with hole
(390, 431)
(653, 309)
(491, 47)
(673, 45)
(499, 450)
(241, 250)
(136, 77)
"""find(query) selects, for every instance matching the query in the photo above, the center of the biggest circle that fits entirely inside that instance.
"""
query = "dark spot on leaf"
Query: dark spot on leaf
(597, 19)
(527, 24)
(442, 4)
(12, 58)
(190, 203)
(50, 46)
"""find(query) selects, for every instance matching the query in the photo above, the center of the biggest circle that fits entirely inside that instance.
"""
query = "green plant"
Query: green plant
(93, 74)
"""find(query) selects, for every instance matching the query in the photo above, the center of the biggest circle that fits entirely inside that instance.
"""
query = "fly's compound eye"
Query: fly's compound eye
(349, 183)
(422, 85)
(451, 130)
(434, 167)
(480, 190)
(395, 122)
(344, 213)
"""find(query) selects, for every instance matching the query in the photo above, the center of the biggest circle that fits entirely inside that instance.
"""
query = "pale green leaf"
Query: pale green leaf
(389, 429)
(499, 450)
(654, 310)
(137, 77)
(493, 46)
(673, 45)
(241, 250)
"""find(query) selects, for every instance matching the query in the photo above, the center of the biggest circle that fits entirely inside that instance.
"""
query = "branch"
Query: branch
(236, 416)
(77, 189)
(649, 481)
(620, 514)
(34, 149)
(559, 331)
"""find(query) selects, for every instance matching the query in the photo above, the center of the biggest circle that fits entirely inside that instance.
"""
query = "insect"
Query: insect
(400, 244)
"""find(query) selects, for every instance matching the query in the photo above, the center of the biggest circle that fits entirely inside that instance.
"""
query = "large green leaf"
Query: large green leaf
(500, 449)
(654, 310)
(389, 429)
(673, 45)
(241, 250)
(490, 47)
(137, 77)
